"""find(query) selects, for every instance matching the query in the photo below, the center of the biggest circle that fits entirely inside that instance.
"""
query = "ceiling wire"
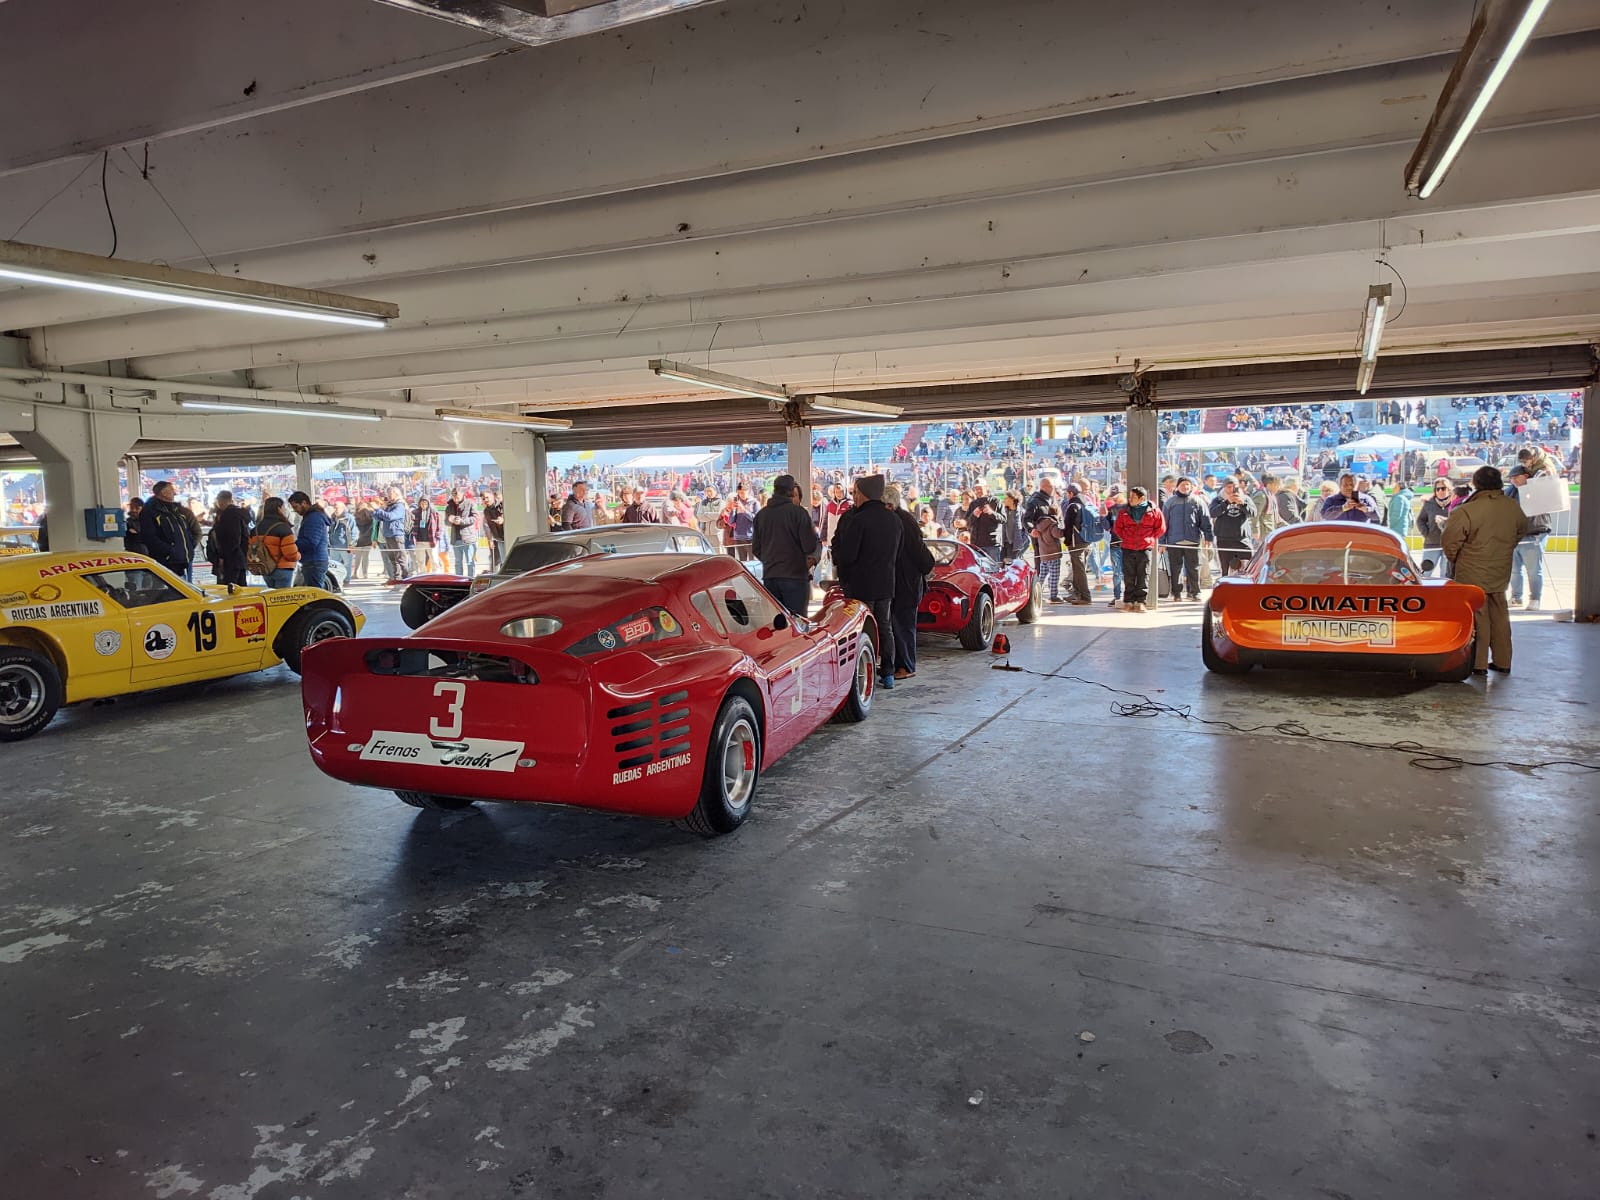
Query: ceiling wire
(144, 173)
(105, 194)
(1405, 292)
(81, 171)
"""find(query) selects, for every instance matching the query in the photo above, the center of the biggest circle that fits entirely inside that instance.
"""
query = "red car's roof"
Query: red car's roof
(585, 594)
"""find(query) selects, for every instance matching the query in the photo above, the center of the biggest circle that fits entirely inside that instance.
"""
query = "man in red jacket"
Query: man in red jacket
(1140, 527)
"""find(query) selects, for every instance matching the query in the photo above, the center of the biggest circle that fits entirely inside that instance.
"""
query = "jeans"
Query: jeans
(1117, 563)
(314, 571)
(793, 594)
(464, 557)
(1183, 570)
(1528, 559)
(1136, 571)
(343, 558)
(360, 560)
(497, 553)
(280, 577)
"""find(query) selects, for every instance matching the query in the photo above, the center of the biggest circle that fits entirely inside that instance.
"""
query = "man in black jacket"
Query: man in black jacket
(1076, 546)
(230, 539)
(785, 543)
(911, 567)
(164, 532)
(866, 549)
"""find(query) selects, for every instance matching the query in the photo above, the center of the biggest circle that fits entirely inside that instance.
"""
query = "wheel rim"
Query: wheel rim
(22, 694)
(986, 621)
(323, 628)
(739, 764)
(866, 679)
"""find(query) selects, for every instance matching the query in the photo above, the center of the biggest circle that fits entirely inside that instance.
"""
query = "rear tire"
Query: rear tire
(858, 704)
(434, 803)
(978, 632)
(309, 626)
(415, 610)
(733, 768)
(1029, 612)
(1208, 652)
(30, 692)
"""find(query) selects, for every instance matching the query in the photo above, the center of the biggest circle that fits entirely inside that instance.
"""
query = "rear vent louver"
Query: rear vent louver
(650, 730)
(848, 646)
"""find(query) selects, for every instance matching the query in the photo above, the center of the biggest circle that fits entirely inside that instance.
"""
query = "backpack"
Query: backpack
(1091, 525)
(259, 559)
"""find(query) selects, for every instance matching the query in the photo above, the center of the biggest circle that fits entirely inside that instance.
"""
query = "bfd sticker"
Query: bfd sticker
(160, 642)
(249, 621)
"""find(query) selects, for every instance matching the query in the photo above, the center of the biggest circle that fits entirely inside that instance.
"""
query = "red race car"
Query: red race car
(1341, 595)
(656, 684)
(971, 593)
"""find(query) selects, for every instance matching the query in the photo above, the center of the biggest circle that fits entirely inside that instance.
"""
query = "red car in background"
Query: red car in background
(655, 684)
(970, 593)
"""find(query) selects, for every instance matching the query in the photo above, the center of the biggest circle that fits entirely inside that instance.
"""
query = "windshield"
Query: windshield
(531, 555)
(1336, 565)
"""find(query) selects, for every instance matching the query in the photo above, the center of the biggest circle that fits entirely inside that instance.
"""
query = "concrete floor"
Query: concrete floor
(1310, 971)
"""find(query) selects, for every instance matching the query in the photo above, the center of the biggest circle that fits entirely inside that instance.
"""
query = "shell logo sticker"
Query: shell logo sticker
(160, 642)
(249, 621)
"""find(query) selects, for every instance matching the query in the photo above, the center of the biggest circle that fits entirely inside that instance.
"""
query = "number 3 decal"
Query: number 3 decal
(455, 695)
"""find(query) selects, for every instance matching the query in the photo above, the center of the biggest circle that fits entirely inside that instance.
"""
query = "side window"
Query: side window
(707, 608)
(690, 543)
(135, 588)
(745, 607)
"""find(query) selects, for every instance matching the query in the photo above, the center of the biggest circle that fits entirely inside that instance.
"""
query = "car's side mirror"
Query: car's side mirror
(780, 621)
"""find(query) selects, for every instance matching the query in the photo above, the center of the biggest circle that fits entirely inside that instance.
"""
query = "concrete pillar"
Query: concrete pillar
(1144, 470)
(522, 487)
(132, 472)
(799, 438)
(79, 452)
(302, 471)
(1586, 602)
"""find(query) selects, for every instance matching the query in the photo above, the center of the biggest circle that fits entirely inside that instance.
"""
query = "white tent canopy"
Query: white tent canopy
(686, 460)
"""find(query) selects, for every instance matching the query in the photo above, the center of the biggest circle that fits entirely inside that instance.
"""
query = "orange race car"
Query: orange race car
(1344, 596)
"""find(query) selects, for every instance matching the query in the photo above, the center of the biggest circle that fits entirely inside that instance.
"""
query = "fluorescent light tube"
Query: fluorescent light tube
(1364, 375)
(338, 414)
(704, 377)
(467, 416)
(852, 408)
(1493, 43)
(50, 267)
(1377, 312)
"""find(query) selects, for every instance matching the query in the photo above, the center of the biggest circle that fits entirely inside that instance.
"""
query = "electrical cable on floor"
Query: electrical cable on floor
(1426, 759)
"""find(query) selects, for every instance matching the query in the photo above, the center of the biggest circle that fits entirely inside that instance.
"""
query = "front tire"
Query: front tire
(309, 626)
(733, 768)
(1029, 612)
(978, 632)
(30, 692)
(1208, 652)
(434, 803)
(858, 704)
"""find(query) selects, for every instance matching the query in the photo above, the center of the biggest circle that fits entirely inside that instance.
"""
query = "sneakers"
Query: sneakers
(1533, 606)
(1114, 602)
(886, 682)
(1139, 608)
(902, 673)
(1080, 603)
(1514, 602)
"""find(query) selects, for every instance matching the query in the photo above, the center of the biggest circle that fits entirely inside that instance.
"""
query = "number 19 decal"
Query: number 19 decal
(454, 695)
(204, 627)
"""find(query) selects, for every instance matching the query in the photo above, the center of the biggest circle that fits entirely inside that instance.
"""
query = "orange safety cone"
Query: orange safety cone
(1002, 644)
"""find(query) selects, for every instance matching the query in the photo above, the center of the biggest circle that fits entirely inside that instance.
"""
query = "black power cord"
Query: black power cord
(1428, 760)
(105, 163)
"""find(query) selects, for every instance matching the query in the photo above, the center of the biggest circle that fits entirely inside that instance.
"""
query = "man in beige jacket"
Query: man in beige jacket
(1479, 538)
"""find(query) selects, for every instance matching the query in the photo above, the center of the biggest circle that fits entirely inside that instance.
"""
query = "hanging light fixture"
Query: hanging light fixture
(1372, 319)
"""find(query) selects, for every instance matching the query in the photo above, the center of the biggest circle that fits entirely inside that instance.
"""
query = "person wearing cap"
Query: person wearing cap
(785, 542)
(1529, 557)
(912, 566)
(1480, 540)
(866, 549)
(576, 513)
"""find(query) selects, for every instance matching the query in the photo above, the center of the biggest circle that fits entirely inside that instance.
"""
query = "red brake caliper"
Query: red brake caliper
(749, 756)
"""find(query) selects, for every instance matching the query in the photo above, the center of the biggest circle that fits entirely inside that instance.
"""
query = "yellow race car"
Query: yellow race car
(82, 626)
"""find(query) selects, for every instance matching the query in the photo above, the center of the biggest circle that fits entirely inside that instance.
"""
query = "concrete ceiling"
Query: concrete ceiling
(842, 195)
